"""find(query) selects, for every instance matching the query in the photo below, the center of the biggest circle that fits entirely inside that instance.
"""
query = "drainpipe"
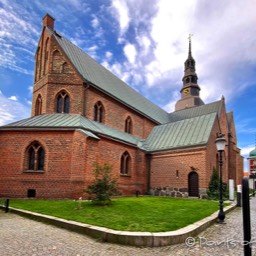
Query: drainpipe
(86, 86)
(229, 157)
(148, 171)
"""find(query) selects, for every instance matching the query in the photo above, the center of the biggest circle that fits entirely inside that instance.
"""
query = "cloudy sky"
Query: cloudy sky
(145, 43)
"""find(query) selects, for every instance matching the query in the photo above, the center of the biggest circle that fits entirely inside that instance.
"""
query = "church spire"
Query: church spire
(190, 89)
(189, 47)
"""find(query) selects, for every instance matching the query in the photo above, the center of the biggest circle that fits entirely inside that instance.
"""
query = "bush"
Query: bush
(213, 190)
(104, 185)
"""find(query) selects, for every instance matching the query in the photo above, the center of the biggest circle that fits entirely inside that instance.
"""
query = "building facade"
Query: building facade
(82, 114)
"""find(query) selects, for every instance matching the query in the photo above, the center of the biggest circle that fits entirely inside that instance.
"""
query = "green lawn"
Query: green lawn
(152, 214)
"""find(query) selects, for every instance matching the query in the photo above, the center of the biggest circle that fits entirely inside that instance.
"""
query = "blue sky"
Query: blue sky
(144, 42)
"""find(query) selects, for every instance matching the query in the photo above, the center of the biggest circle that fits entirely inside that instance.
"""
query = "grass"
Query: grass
(152, 214)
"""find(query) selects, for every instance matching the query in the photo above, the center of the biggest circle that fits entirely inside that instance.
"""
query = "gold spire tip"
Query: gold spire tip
(190, 36)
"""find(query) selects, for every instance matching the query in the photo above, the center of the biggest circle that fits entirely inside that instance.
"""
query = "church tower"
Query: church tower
(58, 88)
(190, 89)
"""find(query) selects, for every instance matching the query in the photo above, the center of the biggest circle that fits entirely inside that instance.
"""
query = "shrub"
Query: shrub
(213, 190)
(104, 185)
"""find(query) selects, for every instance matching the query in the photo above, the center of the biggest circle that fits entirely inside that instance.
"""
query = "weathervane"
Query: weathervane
(190, 36)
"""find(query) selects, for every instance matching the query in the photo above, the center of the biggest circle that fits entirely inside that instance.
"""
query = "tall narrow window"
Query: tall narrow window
(38, 106)
(36, 157)
(63, 102)
(98, 112)
(125, 164)
(128, 125)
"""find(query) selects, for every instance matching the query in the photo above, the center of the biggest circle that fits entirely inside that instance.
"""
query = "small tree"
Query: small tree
(213, 190)
(104, 185)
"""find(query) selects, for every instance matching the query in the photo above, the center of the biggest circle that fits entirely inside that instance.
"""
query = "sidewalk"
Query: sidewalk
(21, 236)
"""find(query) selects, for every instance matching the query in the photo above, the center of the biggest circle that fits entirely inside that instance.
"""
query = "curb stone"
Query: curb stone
(145, 239)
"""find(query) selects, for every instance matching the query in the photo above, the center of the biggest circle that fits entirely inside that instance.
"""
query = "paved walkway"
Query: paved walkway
(21, 236)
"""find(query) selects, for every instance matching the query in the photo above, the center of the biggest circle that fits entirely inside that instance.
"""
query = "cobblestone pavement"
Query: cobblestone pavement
(21, 236)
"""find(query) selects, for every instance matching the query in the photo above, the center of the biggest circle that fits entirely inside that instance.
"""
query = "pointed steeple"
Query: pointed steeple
(189, 47)
(190, 89)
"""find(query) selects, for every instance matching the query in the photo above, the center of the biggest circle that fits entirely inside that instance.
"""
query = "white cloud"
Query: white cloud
(109, 55)
(14, 98)
(144, 43)
(122, 14)
(222, 45)
(17, 36)
(130, 52)
(12, 110)
(170, 107)
(246, 150)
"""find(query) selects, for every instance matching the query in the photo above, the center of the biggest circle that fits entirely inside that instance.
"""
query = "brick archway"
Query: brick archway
(193, 184)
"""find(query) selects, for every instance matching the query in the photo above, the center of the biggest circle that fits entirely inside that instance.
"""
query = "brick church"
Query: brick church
(82, 114)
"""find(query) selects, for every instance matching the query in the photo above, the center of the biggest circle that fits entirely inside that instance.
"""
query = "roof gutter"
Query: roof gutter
(71, 128)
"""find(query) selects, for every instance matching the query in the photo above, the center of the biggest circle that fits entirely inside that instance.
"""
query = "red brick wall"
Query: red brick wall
(240, 169)
(115, 114)
(109, 152)
(212, 154)
(55, 181)
(164, 166)
(69, 159)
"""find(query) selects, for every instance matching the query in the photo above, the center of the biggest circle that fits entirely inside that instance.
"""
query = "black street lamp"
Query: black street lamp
(220, 144)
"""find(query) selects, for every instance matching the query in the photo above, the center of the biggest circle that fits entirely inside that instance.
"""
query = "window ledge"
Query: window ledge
(32, 171)
(125, 175)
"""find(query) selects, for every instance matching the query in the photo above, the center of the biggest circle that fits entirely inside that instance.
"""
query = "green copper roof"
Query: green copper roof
(184, 133)
(71, 121)
(252, 154)
(206, 109)
(104, 80)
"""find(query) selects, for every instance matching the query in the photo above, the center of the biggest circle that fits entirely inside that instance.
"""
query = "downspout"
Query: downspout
(148, 171)
(86, 86)
(229, 152)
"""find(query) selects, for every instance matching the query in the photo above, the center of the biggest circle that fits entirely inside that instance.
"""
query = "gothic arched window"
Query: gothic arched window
(98, 112)
(38, 106)
(36, 157)
(125, 164)
(63, 102)
(128, 125)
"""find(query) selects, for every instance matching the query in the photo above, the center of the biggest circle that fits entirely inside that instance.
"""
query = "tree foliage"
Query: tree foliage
(213, 190)
(104, 185)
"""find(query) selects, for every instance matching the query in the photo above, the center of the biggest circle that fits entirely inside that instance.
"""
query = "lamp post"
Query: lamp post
(220, 144)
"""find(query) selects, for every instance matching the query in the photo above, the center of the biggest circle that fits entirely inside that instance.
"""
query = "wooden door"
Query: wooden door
(193, 184)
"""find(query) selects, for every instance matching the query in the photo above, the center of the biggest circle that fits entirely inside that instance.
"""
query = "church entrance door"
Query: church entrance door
(193, 184)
